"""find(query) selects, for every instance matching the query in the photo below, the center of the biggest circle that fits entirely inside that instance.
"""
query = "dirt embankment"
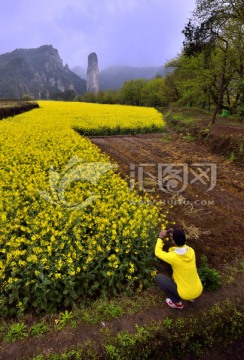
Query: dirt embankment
(8, 109)
(225, 136)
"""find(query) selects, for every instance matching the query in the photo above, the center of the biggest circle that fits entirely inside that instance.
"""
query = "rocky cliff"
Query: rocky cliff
(39, 73)
(93, 74)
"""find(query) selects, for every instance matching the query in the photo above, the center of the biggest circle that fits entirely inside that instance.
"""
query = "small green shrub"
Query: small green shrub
(125, 339)
(210, 278)
(168, 322)
(189, 137)
(17, 331)
(111, 352)
(64, 318)
(38, 357)
(39, 329)
(102, 311)
(232, 156)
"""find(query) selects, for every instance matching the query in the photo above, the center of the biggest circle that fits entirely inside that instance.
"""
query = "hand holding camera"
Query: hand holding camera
(164, 233)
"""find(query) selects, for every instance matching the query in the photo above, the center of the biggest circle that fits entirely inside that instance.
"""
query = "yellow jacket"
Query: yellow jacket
(183, 262)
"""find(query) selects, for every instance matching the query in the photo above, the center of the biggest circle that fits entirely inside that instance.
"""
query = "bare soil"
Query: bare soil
(217, 215)
(213, 219)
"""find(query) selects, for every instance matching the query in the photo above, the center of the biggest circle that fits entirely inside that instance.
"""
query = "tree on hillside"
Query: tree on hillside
(217, 26)
(131, 92)
(152, 92)
(192, 79)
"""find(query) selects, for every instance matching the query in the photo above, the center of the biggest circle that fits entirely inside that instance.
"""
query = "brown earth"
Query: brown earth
(213, 220)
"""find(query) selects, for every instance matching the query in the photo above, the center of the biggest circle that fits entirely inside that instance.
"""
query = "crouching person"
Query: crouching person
(185, 283)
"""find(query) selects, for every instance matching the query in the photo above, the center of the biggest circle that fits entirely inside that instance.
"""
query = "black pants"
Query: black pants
(168, 286)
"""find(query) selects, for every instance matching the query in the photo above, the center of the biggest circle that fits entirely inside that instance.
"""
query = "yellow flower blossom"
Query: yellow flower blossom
(43, 234)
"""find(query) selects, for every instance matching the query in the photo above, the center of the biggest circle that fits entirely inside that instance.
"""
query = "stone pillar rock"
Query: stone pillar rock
(93, 74)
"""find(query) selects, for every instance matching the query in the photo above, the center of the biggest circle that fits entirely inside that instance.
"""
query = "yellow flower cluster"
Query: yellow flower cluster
(67, 233)
(100, 119)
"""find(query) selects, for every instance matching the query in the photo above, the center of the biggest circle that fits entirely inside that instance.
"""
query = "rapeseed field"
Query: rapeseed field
(97, 119)
(70, 227)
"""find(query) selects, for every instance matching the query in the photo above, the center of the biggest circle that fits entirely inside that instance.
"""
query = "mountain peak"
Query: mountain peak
(38, 72)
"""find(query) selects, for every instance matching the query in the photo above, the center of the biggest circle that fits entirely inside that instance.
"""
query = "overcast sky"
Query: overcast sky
(121, 32)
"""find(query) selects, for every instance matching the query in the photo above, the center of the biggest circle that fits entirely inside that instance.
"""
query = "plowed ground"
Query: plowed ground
(213, 218)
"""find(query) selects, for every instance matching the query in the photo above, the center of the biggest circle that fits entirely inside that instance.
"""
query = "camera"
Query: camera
(170, 232)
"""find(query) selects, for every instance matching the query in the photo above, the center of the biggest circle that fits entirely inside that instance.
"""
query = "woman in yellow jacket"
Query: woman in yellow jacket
(185, 283)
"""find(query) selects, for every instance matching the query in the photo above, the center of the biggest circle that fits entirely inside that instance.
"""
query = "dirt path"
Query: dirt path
(64, 340)
(213, 218)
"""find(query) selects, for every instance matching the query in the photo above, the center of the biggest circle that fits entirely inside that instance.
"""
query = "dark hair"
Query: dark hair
(179, 237)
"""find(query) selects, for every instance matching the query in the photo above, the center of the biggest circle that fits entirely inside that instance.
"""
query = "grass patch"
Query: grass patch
(210, 277)
(189, 137)
(166, 138)
(191, 336)
(195, 124)
(104, 310)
